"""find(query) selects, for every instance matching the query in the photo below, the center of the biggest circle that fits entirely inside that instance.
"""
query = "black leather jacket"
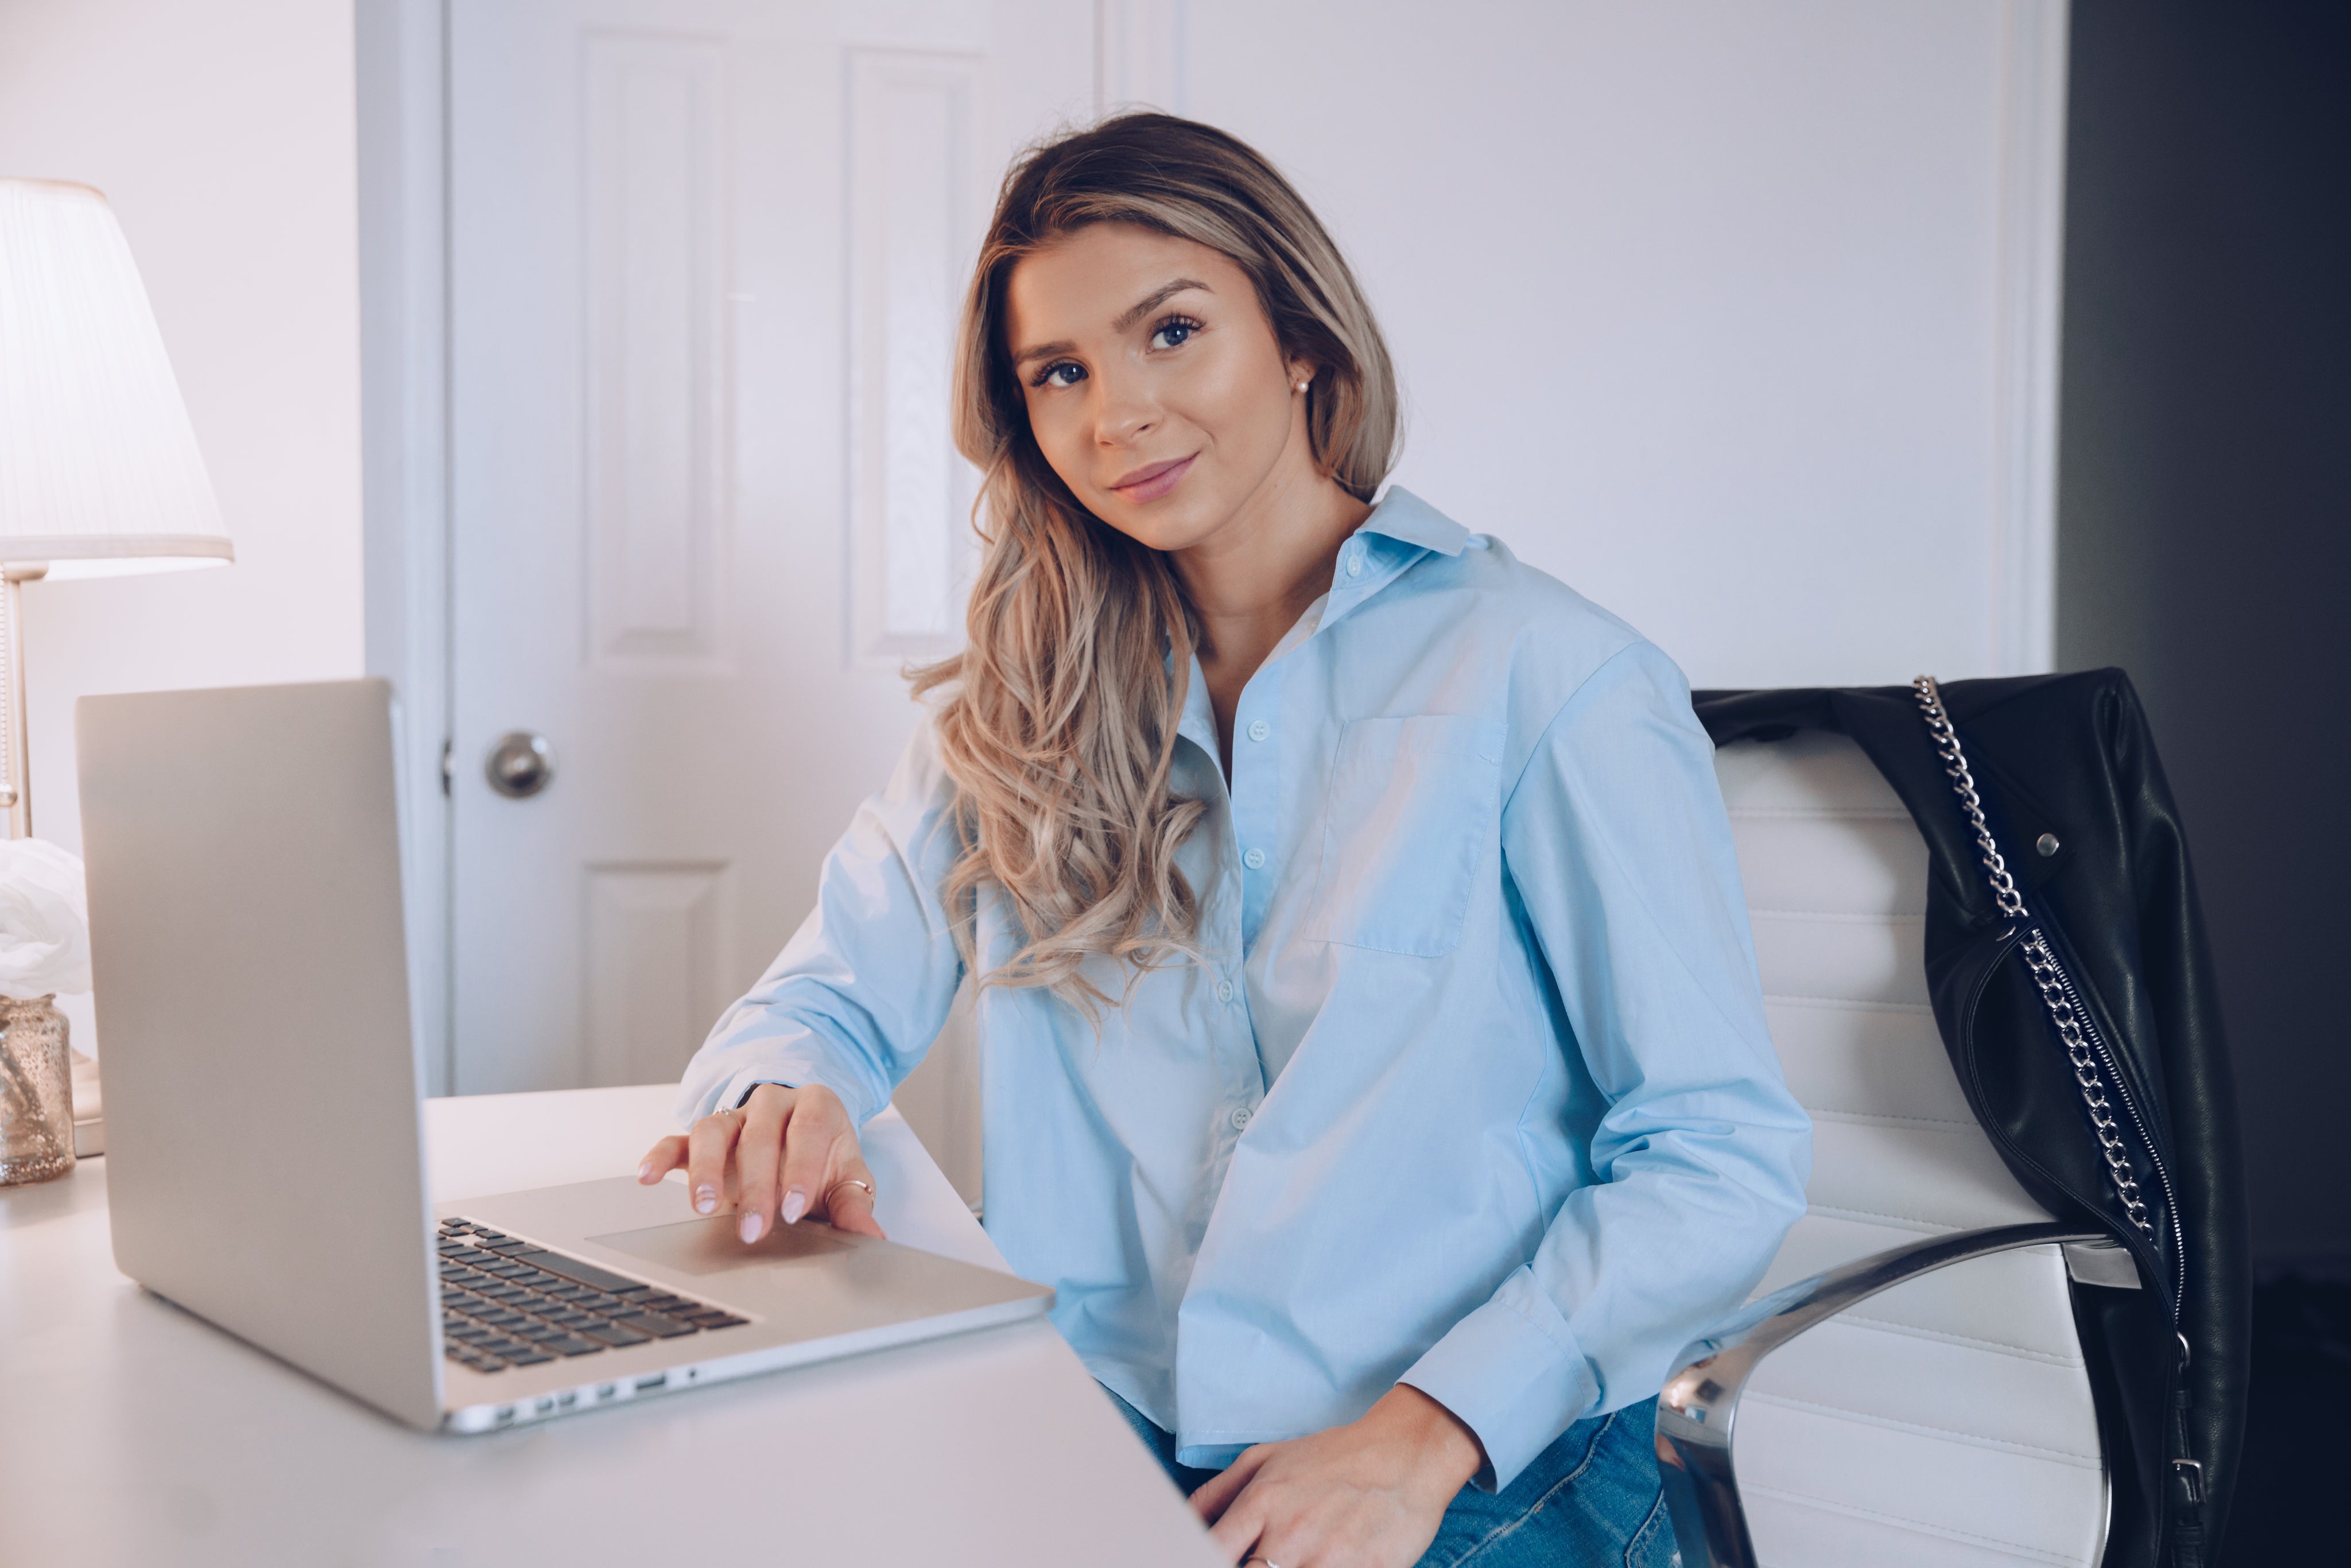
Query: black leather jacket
(2070, 757)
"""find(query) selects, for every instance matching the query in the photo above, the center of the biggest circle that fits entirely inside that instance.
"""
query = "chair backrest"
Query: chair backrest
(1950, 1420)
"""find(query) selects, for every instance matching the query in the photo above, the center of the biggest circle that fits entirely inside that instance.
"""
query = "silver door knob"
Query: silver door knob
(520, 765)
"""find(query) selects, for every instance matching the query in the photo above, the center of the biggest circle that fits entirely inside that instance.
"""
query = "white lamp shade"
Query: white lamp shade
(99, 472)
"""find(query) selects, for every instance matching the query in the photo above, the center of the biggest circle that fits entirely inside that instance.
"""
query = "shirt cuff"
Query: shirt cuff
(791, 1071)
(846, 1086)
(1513, 1374)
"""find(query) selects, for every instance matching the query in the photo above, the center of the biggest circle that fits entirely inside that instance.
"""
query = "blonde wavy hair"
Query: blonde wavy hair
(1058, 720)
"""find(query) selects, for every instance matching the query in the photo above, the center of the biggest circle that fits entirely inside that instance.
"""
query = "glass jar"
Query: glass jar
(37, 1124)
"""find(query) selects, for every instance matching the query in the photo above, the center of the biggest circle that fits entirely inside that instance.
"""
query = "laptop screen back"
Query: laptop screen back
(264, 1163)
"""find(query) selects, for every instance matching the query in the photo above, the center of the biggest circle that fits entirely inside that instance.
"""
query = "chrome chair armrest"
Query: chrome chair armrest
(1700, 1403)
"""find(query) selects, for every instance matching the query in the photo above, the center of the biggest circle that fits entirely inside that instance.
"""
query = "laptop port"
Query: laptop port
(567, 1398)
(506, 1416)
(545, 1403)
(657, 1380)
(605, 1391)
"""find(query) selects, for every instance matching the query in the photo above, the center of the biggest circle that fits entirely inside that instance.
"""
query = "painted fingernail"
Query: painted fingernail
(795, 1205)
(750, 1227)
(645, 1171)
(705, 1199)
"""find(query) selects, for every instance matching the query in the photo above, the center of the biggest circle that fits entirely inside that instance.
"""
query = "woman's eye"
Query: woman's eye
(1173, 334)
(1060, 373)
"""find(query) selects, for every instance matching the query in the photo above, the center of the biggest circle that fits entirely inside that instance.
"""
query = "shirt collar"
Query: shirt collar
(1402, 530)
(1198, 723)
(1400, 516)
(1405, 517)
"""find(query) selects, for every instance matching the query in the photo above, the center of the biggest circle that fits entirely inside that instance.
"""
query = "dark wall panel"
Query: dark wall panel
(2204, 515)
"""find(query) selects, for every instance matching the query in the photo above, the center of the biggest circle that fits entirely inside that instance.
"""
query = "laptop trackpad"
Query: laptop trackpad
(713, 1246)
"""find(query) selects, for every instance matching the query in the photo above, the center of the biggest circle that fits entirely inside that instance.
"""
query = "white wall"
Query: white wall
(1738, 316)
(223, 135)
(1700, 304)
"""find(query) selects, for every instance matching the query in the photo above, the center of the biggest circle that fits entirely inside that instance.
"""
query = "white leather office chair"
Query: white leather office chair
(1928, 1406)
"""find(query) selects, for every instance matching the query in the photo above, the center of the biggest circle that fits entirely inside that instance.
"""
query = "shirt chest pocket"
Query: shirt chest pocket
(1413, 817)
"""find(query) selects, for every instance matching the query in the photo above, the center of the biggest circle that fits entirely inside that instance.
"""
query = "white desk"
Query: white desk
(133, 1434)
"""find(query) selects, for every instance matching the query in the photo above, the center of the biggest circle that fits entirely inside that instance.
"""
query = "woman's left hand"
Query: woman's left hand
(1366, 1495)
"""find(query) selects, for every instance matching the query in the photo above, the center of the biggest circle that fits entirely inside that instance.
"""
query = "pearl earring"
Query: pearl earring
(1301, 386)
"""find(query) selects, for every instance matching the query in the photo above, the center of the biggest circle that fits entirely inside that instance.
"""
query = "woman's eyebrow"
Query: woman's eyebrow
(1128, 317)
(1159, 296)
(1043, 350)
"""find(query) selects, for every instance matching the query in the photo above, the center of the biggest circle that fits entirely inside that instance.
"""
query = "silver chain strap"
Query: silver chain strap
(2038, 959)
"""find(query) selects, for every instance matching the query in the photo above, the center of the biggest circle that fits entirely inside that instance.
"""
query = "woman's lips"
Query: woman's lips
(1150, 482)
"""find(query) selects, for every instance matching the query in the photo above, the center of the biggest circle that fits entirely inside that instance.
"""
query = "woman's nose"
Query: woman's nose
(1121, 414)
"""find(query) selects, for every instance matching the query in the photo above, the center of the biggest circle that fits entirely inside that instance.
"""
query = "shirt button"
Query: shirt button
(1224, 990)
(1260, 729)
(1240, 1117)
(1254, 859)
(1355, 564)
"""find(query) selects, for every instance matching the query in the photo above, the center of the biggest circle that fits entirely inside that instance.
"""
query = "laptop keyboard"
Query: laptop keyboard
(510, 1302)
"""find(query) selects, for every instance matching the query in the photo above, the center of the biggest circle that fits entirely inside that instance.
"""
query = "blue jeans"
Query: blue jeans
(1590, 1500)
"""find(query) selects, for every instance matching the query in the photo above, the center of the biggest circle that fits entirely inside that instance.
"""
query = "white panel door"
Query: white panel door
(705, 259)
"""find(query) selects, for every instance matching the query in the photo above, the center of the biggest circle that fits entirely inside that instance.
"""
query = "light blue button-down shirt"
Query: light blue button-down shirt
(1471, 1089)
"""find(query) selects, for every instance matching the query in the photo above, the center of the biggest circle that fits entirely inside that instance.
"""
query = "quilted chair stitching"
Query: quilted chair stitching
(1854, 1004)
(1974, 1439)
(1819, 813)
(1887, 1326)
(2057, 1559)
(1933, 1226)
(1823, 1112)
(1836, 916)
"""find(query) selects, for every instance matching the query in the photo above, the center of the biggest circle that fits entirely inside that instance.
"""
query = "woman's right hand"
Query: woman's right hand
(787, 1153)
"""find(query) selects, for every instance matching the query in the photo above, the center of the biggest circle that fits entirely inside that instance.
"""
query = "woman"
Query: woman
(1373, 1054)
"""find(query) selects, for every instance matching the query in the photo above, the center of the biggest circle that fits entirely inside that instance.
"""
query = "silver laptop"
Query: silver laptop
(262, 1086)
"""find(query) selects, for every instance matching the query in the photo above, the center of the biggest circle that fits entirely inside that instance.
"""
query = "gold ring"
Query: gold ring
(852, 1181)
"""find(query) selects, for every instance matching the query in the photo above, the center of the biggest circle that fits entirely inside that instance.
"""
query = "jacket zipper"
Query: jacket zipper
(2122, 1091)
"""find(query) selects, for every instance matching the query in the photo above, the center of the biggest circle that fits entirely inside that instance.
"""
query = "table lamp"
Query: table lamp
(100, 475)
